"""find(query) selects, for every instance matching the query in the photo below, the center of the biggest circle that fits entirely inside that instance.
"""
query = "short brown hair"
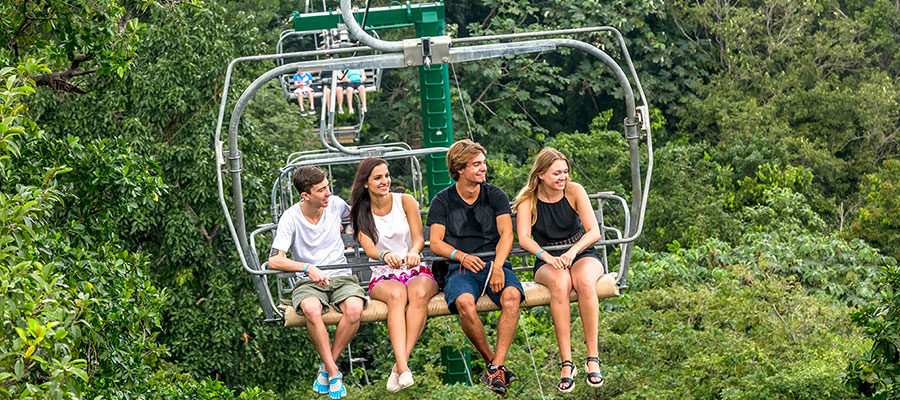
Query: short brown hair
(460, 153)
(306, 177)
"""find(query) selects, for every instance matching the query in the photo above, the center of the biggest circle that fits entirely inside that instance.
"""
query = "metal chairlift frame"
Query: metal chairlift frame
(404, 54)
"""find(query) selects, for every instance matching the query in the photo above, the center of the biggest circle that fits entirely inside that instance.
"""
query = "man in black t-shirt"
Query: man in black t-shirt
(473, 216)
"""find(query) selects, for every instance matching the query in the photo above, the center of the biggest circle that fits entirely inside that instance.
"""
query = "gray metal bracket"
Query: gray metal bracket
(234, 162)
(643, 115)
(426, 51)
(220, 154)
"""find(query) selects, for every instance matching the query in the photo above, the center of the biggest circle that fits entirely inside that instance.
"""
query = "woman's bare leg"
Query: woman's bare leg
(419, 291)
(585, 273)
(560, 284)
(393, 293)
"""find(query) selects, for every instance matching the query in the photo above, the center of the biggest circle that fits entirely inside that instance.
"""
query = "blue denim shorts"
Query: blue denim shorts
(461, 280)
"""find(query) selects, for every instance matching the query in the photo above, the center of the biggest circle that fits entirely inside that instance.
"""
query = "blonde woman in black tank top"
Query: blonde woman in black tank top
(552, 210)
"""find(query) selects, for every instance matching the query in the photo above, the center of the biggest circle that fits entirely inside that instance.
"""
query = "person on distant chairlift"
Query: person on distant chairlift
(473, 216)
(302, 87)
(342, 87)
(354, 79)
(325, 78)
(389, 228)
(310, 230)
(551, 210)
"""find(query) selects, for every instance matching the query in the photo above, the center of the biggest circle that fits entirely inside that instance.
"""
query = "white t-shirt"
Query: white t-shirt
(318, 244)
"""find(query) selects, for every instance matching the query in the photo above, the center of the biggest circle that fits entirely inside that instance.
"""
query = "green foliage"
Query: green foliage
(879, 218)
(165, 384)
(74, 38)
(783, 212)
(752, 190)
(80, 315)
(808, 96)
(730, 338)
(577, 85)
(876, 373)
(688, 198)
(160, 115)
(823, 265)
(41, 316)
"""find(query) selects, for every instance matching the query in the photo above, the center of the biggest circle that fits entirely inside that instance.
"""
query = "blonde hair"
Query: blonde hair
(542, 163)
(460, 153)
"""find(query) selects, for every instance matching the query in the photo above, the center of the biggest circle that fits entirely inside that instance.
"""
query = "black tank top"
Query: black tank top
(555, 222)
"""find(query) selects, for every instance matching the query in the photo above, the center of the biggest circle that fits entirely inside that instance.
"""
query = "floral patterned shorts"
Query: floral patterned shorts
(402, 275)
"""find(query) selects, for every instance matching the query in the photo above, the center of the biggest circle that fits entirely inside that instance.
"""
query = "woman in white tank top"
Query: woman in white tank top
(389, 228)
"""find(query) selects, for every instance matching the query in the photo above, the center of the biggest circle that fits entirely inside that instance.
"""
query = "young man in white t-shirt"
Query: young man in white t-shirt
(310, 230)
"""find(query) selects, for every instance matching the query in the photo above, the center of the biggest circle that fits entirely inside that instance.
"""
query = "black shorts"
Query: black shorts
(588, 252)
(356, 85)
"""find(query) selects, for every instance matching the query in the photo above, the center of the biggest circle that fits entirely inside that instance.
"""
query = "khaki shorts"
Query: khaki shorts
(339, 289)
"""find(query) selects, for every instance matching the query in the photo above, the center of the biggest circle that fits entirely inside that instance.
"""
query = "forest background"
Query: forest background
(767, 267)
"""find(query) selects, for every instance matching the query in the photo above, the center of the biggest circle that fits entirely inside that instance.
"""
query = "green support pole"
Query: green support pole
(437, 119)
(437, 129)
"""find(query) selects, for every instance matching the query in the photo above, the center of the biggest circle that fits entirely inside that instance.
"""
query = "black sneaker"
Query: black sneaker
(510, 376)
(495, 379)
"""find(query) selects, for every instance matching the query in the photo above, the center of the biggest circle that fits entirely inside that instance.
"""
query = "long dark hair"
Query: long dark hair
(360, 203)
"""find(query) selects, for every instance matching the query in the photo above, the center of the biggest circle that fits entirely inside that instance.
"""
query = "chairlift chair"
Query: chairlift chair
(401, 55)
(321, 39)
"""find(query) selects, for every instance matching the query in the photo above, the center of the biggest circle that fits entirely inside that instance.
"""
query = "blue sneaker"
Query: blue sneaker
(336, 386)
(320, 386)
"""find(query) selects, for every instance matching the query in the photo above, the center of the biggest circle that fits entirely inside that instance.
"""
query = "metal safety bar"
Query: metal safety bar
(364, 265)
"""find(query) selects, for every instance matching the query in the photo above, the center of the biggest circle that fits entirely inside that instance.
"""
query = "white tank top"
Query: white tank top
(393, 228)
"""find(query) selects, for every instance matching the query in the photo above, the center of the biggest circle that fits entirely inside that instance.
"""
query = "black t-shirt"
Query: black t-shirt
(471, 228)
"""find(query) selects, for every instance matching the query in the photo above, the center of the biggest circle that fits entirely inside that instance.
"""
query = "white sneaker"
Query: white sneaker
(363, 110)
(406, 380)
(393, 385)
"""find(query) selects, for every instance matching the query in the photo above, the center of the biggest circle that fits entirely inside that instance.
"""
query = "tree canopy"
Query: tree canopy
(767, 267)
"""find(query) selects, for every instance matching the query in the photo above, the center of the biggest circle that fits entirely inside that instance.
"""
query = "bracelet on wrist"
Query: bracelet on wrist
(305, 266)
(539, 254)
(381, 255)
(452, 253)
(464, 258)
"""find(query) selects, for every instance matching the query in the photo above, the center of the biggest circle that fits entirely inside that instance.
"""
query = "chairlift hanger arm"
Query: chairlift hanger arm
(237, 224)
